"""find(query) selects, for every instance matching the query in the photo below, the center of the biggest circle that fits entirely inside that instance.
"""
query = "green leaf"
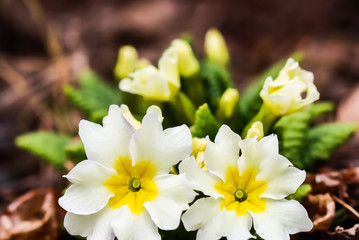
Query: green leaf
(75, 150)
(292, 133)
(319, 109)
(204, 123)
(46, 145)
(323, 140)
(301, 192)
(305, 147)
(93, 95)
(216, 80)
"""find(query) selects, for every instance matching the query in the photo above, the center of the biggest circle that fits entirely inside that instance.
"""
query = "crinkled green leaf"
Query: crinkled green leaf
(204, 123)
(75, 150)
(323, 140)
(93, 95)
(319, 109)
(292, 133)
(46, 145)
(305, 146)
(301, 192)
(216, 80)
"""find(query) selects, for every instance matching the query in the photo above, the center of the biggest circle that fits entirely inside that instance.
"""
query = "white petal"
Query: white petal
(201, 213)
(281, 176)
(213, 223)
(238, 226)
(223, 153)
(106, 144)
(85, 199)
(94, 226)
(254, 152)
(281, 218)
(174, 195)
(129, 226)
(200, 180)
(229, 225)
(175, 187)
(162, 148)
(144, 141)
(89, 172)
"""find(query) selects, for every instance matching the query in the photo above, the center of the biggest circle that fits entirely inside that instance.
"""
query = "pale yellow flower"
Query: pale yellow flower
(293, 90)
(160, 84)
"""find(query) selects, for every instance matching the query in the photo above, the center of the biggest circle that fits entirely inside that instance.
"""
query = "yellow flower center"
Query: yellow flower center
(132, 185)
(242, 192)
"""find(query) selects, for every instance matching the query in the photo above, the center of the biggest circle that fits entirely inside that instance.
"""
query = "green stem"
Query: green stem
(183, 108)
(264, 115)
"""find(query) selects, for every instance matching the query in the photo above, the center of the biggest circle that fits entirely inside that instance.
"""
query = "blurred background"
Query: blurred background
(44, 44)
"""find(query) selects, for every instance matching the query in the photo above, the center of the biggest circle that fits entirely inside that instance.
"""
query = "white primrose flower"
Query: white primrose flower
(160, 84)
(293, 90)
(244, 190)
(124, 190)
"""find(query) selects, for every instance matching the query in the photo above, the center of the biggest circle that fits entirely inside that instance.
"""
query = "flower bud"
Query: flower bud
(256, 131)
(187, 62)
(228, 104)
(216, 48)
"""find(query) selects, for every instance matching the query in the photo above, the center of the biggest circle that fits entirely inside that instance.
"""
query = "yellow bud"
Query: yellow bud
(256, 131)
(187, 62)
(198, 148)
(126, 61)
(228, 104)
(216, 48)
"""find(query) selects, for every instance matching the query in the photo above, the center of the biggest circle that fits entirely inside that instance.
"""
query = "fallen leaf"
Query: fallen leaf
(321, 210)
(340, 183)
(348, 234)
(34, 215)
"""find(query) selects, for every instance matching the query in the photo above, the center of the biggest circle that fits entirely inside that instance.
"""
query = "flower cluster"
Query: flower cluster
(124, 189)
(140, 179)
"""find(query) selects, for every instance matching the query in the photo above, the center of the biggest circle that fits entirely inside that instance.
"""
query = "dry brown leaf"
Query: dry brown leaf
(349, 234)
(321, 210)
(35, 215)
(335, 182)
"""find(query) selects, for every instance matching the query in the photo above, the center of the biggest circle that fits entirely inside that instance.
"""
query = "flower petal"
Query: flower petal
(175, 187)
(174, 195)
(135, 227)
(89, 172)
(106, 144)
(201, 213)
(200, 180)
(238, 226)
(162, 148)
(281, 218)
(254, 152)
(276, 170)
(212, 222)
(223, 153)
(94, 226)
(85, 199)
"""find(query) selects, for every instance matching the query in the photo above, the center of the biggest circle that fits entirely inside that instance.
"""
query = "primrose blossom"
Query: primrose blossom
(244, 190)
(124, 189)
